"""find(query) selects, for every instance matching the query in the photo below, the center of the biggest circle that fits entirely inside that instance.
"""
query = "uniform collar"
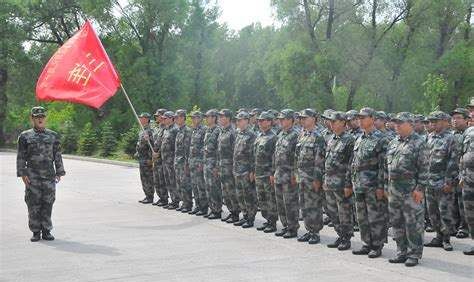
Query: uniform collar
(38, 130)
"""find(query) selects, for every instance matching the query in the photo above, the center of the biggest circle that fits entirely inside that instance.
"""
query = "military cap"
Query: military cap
(159, 112)
(439, 115)
(180, 113)
(327, 113)
(350, 115)
(337, 115)
(460, 111)
(169, 114)
(287, 113)
(471, 103)
(144, 115)
(380, 115)
(38, 111)
(226, 113)
(419, 118)
(308, 113)
(242, 110)
(212, 113)
(404, 117)
(256, 111)
(266, 115)
(198, 114)
(274, 112)
(297, 115)
(391, 116)
(242, 115)
(366, 112)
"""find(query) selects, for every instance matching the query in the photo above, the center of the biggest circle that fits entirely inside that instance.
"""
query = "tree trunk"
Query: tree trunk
(3, 103)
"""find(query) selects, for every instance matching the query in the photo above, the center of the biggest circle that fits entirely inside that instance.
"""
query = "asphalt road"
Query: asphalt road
(103, 234)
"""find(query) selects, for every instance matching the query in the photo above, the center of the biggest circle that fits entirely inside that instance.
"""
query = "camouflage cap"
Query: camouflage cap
(366, 112)
(439, 115)
(169, 114)
(38, 111)
(391, 116)
(266, 115)
(419, 118)
(471, 103)
(308, 113)
(274, 112)
(256, 111)
(180, 113)
(380, 115)
(461, 111)
(327, 113)
(198, 114)
(144, 115)
(287, 113)
(337, 115)
(160, 112)
(297, 115)
(350, 115)
(242, 115)
(404, 117)
(226, 113)
(212, 113)
(242, 110)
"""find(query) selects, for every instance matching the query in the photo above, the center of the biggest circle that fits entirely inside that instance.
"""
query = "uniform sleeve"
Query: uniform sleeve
(319, 158)
(21, 156)
(452, 169)
(187, 144)
(421, 169)
(58, 159)
(349, 154)
(383, 144)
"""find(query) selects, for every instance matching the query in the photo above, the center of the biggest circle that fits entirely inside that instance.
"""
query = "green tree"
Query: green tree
(108, 142)
(128, 141)
(87, 140)
(69, 138)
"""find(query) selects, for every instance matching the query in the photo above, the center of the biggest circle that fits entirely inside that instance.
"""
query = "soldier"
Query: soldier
(196, 164)
(225, 150)
(353, 126)
(367, 172)
(467, 176)
(298, 123)
(211, 174)
(326, 119)
(264, 149)
(310, 164)
(380, 122)
(275, 123)
(144, 154)
(159, 180)
(406, 177)
(40, 166)
(442, 172)
(253, 119)
(284, 177)
(337, 181)
(181, 162)
(460, 117)
(244, 171)
(167, 155)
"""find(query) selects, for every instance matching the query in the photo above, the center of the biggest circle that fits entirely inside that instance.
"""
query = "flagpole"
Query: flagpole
(136, 116)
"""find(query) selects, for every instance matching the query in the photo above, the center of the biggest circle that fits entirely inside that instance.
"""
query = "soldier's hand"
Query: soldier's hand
(417, 196)
(146, 137)
(26, 180)
(316, 185)
(461, 183)
(347, 192)
(199, 168)
(380, 194)
(293, 181)
(272, 180)
(447, 188)
(216, 172)
(252, 177)
(155, 155)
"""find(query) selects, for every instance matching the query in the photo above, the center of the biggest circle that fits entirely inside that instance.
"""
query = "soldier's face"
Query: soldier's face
(308, 122)
(196, 121)
(39, 122)
(366, 122)
(403, 128)
(459, 122)
(286, 123)
(264, 124)
(338, 126)
(180, 120)
(242, 123)
(379, 123)
(144, 120)
(210, 120)
(224, 121)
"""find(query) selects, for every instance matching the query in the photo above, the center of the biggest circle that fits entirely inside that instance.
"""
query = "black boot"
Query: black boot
(290, 234)
(447, 244)
(36, 237)
(398, 259)
(314, 239)
(336, 243)
(214, 215)
(194, 211)
(227, 217)
(305, 237)
(240, 222)
(437, 242)
(365, 250)
(345, 244)
(263, 226)
(375, 252)
(411, 262)
(271, 227)
(146, 200)
(234, 217)
(202, 212)
(46, 234)
(281, 233)
(248, 223)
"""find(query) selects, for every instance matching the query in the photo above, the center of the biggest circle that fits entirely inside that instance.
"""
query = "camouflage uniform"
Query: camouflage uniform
(443, 170)
(285, 168)
(159, 179)
(244, 163)
(181, 165)
(367, 171)
(406, 160)
(213, 185)
(167, 155)
(39, 158)
(467, 176)
(196, 167)
(336, 178)
(145, 161)
(225, 150)
(264, 149)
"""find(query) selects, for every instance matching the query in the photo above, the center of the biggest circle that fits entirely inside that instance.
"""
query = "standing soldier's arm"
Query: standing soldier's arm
(421, 169)
(452, 168)
(349, 156)
(21, 157)
(57, 157)
(382, 152)
(252, 152)
(319, 158)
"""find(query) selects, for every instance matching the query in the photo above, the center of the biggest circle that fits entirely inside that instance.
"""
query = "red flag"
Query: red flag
(79, 72)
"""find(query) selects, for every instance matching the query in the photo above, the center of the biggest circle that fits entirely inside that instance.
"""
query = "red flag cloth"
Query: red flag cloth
(79, 72)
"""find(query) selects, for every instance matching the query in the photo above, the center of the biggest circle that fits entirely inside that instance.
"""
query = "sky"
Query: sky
(240, 13)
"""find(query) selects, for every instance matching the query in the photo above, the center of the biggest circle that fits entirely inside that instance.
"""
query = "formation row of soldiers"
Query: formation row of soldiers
(358, 167)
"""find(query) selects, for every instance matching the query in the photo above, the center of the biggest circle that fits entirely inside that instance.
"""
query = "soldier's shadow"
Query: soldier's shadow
(81, 248)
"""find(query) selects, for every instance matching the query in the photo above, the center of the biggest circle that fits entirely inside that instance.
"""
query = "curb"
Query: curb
(87, 159)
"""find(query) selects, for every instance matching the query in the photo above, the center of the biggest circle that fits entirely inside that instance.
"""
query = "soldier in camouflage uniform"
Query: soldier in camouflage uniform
(275, 123)
(40, 165)
(243, 169)
(284, 164)
(253, 119)
(367, 172)
(196, 164)
(443, 170)
(144, 154)
(211, 175)
(225, 150)
(406, 177)
(310, 165)
(264, 149)
(158, 177)
(380, 122)
(353, 128)
(337, 181)
(466, 177)
(181, 161)
(167, 155)
(460, 117)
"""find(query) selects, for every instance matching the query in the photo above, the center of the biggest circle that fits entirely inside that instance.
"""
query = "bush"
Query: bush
(108, 142)
(69, 138)
(128, 141)
(87, 140)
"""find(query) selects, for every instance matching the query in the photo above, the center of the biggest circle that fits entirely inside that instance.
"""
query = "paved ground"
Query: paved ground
(104, 234)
